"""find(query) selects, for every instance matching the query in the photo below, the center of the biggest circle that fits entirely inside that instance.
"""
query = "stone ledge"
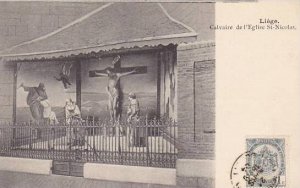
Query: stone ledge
(34, 166)
(195, 45)
(135, 174)
(195, 182)
(195, 168)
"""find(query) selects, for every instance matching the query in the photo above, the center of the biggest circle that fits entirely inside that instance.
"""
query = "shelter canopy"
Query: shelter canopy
(111, 26)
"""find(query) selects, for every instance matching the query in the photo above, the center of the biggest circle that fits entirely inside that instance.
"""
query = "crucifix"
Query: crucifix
(113, 87)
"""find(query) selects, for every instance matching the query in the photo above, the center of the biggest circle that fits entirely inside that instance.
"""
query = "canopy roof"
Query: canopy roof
(111, 26)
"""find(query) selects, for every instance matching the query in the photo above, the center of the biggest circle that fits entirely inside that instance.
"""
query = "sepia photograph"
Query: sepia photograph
(149, 94)
(107, 94)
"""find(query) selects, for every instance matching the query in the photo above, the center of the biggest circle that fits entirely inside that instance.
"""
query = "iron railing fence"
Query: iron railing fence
(142, 143)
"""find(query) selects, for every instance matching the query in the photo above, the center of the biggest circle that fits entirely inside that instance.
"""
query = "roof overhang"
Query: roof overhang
(110, 27)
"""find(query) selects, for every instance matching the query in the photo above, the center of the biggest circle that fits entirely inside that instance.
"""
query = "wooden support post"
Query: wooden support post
(78, 84)
(158, 83)
(14, 114)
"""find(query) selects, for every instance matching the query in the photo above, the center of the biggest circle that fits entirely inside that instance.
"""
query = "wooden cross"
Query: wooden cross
(118, 69)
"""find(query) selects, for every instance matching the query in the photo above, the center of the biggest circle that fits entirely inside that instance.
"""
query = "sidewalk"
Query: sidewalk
(26, 180)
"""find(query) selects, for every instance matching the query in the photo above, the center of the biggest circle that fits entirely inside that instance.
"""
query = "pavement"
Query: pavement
(26, 180)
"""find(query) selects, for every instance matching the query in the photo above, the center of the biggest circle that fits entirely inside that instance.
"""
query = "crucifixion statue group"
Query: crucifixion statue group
(113, 88)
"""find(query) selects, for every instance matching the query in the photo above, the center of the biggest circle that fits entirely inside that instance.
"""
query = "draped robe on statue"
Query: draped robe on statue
(35, 95)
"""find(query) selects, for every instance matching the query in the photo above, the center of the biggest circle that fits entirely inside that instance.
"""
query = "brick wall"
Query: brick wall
(196, 115)
(23, 21)
(196, 100)
(6, 91)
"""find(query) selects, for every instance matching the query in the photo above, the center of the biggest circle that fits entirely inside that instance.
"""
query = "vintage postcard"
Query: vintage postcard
(183, 94)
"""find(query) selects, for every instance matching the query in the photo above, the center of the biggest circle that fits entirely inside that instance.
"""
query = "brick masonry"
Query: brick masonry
(196, 99)
(196, 111)
(6, 91)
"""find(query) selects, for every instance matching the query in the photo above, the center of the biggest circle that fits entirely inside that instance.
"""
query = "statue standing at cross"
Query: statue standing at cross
(113, 88)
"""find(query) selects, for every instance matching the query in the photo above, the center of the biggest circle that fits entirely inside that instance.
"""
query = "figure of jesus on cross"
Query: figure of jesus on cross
(113, 87)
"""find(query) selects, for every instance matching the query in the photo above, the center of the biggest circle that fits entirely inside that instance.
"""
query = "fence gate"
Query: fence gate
(67, 168)
(68, 158)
